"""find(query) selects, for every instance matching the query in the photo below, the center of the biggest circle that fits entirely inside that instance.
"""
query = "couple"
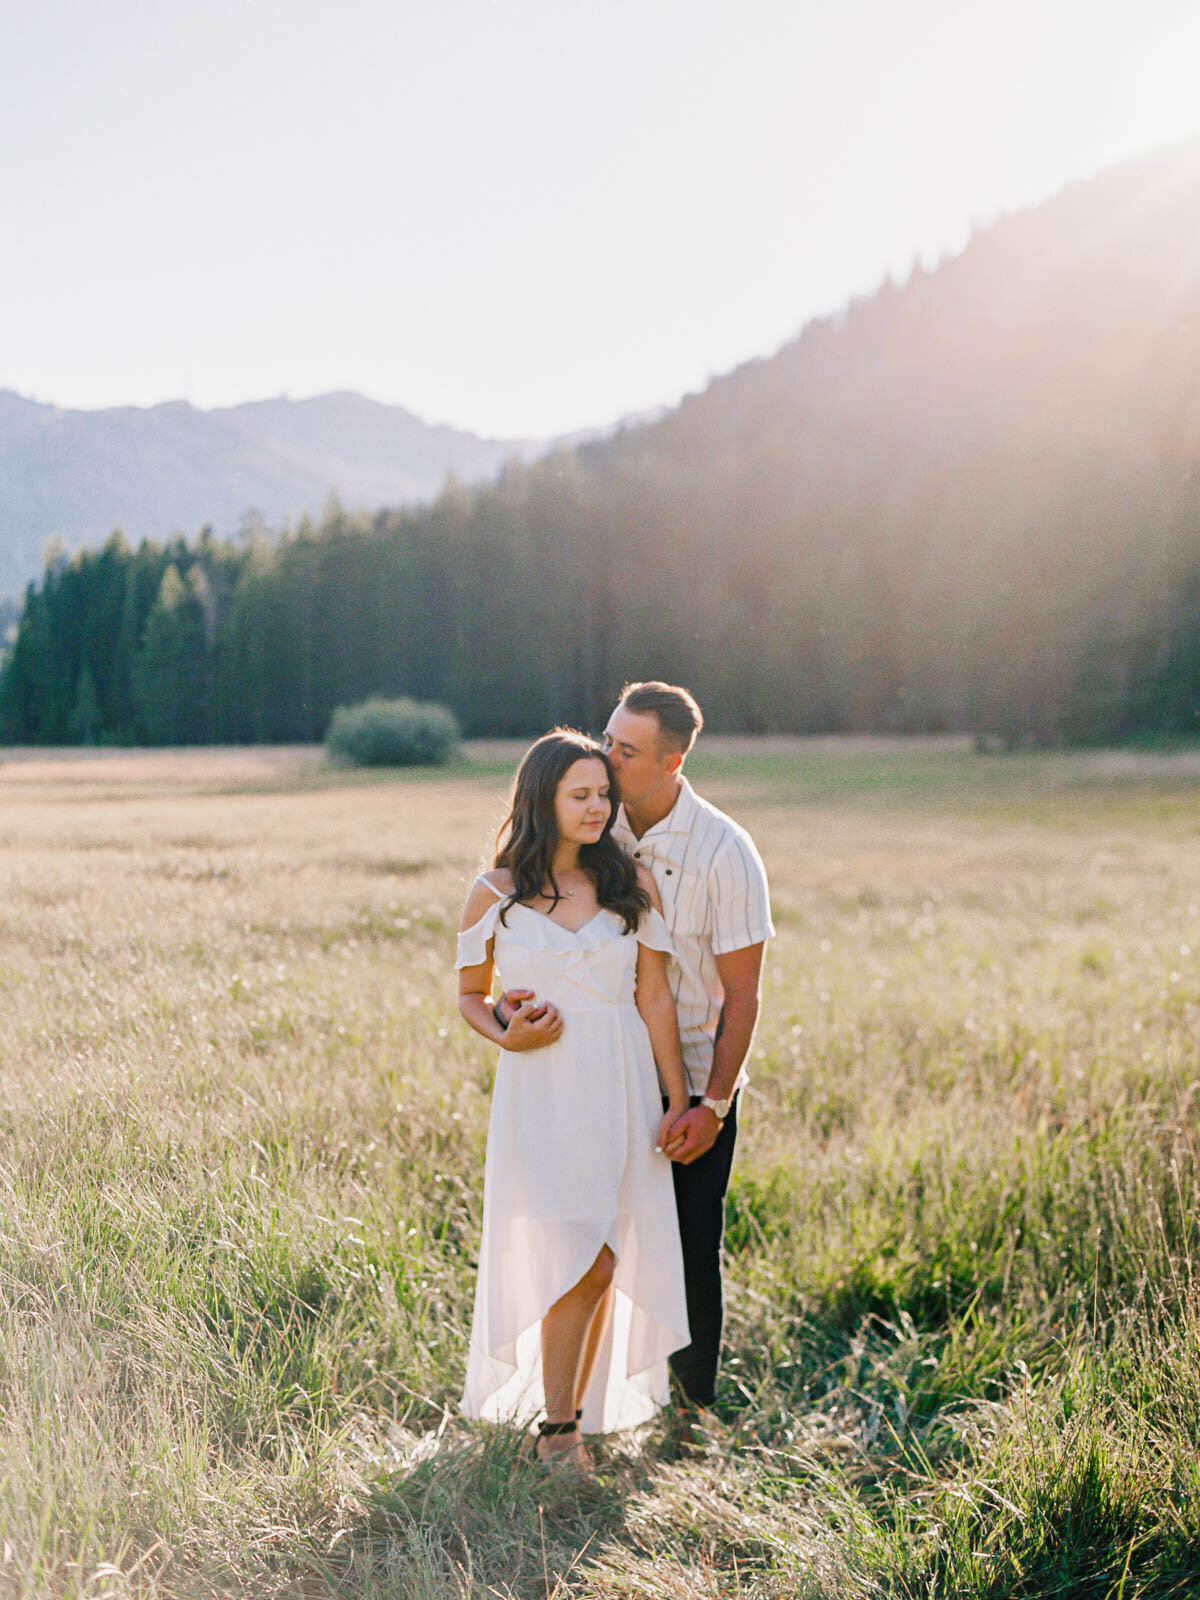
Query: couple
(627, 936)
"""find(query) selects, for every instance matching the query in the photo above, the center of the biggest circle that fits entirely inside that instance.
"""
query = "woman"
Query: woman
(578, 1199)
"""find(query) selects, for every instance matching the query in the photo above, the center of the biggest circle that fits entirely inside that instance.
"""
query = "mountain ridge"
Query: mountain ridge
(153, 470)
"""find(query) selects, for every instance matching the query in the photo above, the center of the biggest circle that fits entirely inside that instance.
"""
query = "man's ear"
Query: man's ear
(674, 762)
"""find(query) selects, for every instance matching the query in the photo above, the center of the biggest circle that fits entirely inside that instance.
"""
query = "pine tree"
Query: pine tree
(85, 722)
(171, 674)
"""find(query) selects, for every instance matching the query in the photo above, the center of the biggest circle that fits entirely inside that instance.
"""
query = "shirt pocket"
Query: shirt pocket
(689, 913)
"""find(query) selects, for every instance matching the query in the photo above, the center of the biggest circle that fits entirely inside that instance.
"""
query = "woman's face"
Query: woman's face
(581, 801)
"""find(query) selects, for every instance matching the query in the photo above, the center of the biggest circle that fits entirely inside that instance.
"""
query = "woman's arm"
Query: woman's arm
(475, 993)
(657, 1010)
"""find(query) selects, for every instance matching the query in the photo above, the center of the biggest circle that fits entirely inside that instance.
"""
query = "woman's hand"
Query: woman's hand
(533, 1024)
(666, 1141)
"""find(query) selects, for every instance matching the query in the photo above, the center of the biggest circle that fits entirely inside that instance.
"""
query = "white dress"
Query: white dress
(571, 1166)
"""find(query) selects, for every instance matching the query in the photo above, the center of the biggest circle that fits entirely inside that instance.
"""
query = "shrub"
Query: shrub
(392, 733)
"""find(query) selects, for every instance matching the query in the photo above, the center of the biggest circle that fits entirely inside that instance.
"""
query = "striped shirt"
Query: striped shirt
(715, 899)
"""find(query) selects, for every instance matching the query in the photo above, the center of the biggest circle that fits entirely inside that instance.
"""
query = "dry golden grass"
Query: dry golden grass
(240, 1179)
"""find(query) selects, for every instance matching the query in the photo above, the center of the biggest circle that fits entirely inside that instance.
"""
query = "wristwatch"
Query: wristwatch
(719, 1108)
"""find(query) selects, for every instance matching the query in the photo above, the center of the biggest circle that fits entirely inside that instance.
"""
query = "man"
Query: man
(716, 905)
(715, 902)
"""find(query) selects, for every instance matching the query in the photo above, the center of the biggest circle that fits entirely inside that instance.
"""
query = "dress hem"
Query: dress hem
(504, 1365)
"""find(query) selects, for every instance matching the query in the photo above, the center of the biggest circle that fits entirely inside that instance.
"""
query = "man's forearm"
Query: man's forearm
(732, 1047)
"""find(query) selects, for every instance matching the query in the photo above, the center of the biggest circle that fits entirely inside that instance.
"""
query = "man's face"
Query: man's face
(631, 742)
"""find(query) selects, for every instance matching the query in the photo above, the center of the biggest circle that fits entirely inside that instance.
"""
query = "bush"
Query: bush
(392, 733)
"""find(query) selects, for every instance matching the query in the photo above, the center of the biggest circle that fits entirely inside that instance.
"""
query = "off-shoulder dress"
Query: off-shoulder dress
(571, 1166)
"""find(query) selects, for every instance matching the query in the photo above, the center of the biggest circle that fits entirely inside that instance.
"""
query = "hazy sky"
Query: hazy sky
(521, 216)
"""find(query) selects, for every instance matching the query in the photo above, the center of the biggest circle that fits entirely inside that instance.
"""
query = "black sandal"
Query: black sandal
(550, 1429)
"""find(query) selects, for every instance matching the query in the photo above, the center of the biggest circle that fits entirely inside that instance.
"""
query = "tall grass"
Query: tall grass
(241, 1136)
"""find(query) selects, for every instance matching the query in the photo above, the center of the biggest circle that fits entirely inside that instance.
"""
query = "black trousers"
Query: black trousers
(700, 1200)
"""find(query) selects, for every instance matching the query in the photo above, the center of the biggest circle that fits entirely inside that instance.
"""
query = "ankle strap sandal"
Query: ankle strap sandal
(573, 1455)
(547, 1428)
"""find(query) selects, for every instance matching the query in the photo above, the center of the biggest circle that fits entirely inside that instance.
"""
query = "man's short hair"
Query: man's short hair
(679, 717)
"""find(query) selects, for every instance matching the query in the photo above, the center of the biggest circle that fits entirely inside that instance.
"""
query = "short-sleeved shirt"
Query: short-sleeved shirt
(715, 899)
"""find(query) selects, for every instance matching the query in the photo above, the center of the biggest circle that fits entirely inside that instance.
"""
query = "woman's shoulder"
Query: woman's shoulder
(646, 881)
(488, 889)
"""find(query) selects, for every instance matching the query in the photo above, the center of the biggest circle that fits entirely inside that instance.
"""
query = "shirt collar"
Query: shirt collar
(679, 819)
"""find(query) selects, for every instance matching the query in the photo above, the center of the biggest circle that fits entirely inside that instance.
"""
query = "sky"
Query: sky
(522, 217)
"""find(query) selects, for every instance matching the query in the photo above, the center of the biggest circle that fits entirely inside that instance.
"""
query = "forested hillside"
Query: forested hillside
(972, 502)
(76, 475)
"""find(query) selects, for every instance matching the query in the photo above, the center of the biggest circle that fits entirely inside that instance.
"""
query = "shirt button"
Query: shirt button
(637, 855)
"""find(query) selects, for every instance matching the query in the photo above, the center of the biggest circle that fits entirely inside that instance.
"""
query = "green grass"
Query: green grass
(241, 1139)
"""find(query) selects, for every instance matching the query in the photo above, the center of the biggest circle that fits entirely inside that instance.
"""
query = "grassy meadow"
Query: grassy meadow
(241, 1136)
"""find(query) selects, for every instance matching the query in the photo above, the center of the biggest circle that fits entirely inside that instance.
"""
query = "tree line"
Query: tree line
(531, 603)
(970, 502)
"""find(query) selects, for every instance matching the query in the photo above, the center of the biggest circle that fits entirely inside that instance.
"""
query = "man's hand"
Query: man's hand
(532, 1026)
(699, 1128)
(508, 1003)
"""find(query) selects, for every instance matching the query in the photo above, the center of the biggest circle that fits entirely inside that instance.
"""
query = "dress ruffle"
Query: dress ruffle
(652, 932)
(473, 941)
(535, 931)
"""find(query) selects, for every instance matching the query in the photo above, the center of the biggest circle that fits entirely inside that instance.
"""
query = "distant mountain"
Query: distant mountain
(80, 474)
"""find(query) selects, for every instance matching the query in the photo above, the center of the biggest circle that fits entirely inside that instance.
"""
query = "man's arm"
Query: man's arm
(740, 972)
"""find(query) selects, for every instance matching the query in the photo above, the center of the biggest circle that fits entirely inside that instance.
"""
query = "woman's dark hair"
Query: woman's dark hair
(528, 836)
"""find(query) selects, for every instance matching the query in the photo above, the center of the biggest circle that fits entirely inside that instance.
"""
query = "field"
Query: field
(240, 1181)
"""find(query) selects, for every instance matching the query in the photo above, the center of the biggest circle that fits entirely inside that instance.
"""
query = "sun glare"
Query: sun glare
(1165, 104)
